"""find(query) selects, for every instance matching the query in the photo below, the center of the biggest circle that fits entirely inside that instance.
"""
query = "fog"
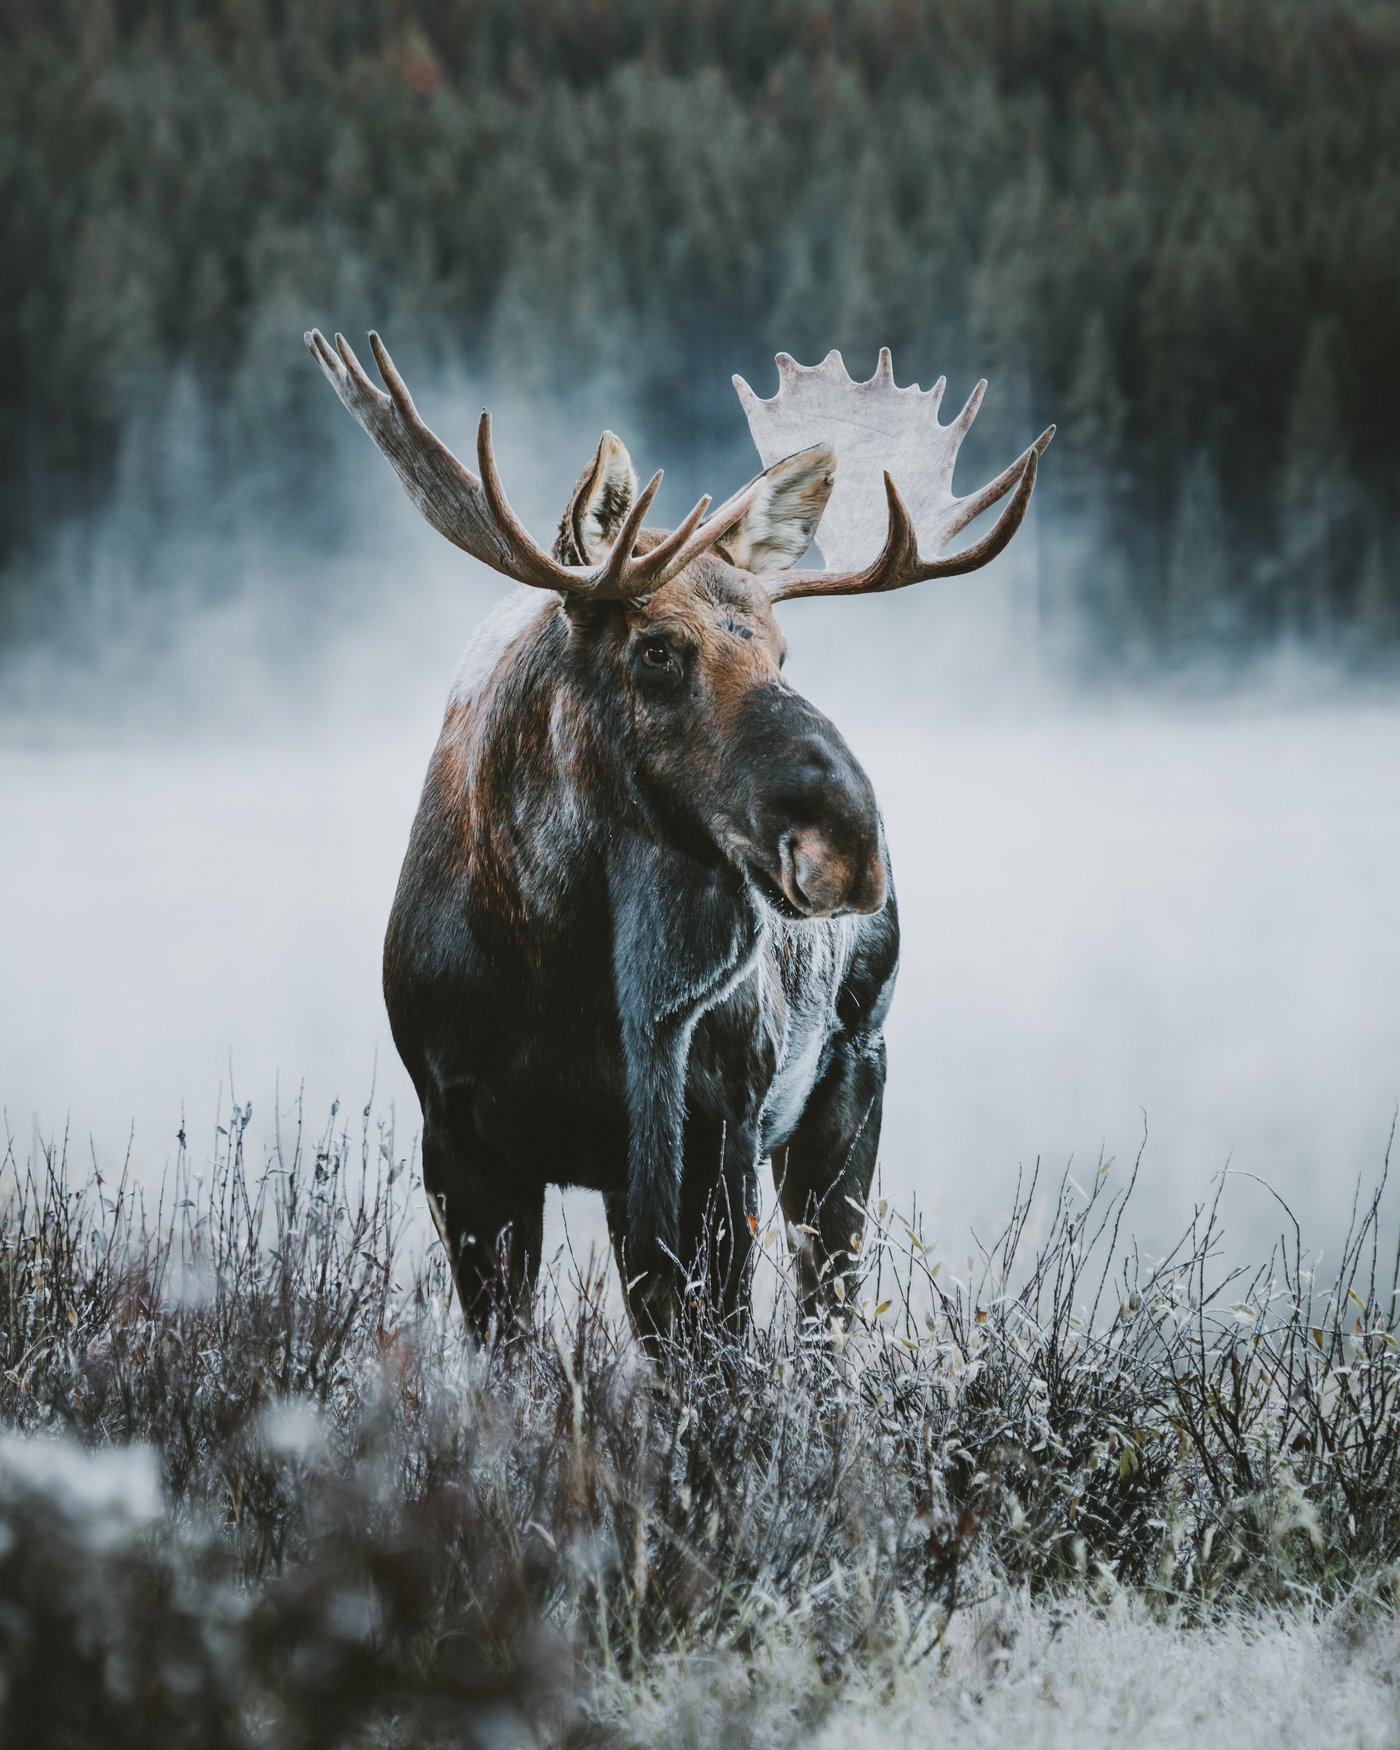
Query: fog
(1123, 914)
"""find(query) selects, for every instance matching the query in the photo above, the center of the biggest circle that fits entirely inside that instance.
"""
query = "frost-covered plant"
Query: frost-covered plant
(349, 1522)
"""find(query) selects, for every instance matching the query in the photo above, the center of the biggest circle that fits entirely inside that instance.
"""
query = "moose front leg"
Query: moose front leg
(490, 1223)
(719, 1206)
(647, 1237)
(714, 1247)
(824, 1171)
(672, 964)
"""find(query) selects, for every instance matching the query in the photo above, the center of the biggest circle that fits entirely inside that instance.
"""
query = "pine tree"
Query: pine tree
(1317, 497)
(211, 313)
(1198, 562)
(110, 347)
(795, 325)
(1095, 411)
(870, 267)
(562, 315)
(1377, 604)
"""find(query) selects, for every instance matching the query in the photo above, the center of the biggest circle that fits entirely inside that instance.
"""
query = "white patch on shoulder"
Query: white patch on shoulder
(492, 638)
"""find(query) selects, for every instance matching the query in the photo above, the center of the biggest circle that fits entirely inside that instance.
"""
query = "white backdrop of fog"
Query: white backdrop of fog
(1110, 906)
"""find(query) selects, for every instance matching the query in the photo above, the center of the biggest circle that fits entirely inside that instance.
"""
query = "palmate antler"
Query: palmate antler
(879, 429)
(472, 512)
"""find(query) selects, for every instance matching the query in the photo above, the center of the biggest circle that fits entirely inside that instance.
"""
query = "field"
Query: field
(257, 1490)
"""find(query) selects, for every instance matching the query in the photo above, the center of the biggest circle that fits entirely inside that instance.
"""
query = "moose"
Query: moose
(645, 935)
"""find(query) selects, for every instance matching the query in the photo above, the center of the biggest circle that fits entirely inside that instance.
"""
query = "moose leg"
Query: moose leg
(827, 1165)
(649, 1292)
(717, 1195)
(491, 1224)
(672, 963)
(634, 1281)
(718, 1199)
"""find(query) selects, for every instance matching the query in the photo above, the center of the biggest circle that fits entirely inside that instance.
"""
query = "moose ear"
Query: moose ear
(777, 528)
(600, 502)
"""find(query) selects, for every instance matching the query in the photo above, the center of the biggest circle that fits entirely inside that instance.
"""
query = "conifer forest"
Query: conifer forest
(1171, 225)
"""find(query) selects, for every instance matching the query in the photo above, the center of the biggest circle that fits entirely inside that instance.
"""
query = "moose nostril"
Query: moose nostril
(820, 881)
(817, 878)
(802, 866)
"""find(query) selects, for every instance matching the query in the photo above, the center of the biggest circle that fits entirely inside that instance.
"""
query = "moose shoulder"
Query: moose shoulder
(645, 933)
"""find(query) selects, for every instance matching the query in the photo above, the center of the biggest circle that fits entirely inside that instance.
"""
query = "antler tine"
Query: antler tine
(898, 564)
(714, 528)
(521, 558)
(650, 570)
(619, 569)
(975, 503)
(398, 389)
(342, 370)
(623, 574)
(1000, 533)
(357, 370)
(448, 494)
(962, 425)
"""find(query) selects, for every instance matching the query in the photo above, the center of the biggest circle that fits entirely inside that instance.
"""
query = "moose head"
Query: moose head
(676, 630)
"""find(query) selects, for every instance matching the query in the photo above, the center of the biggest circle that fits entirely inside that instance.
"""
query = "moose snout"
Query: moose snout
(811, 839)
(820, 878)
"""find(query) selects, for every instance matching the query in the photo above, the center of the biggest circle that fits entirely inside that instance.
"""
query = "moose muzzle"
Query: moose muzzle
(812, 842)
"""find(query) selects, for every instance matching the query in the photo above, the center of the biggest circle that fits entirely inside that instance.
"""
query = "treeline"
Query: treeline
(1172, 225)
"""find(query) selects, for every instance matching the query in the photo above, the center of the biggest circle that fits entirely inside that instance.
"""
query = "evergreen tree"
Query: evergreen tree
(1377, 604)
(1095, 411)
(1199, 607)
(869, 266)
(644, 195)
(1317, 500)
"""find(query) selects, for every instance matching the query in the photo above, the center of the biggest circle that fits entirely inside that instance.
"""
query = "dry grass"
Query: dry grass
(255, 1488)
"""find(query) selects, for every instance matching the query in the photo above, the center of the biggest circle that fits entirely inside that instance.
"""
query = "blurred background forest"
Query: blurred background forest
(1171, 225)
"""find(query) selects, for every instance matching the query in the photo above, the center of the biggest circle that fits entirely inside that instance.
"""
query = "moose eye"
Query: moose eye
(656, 653)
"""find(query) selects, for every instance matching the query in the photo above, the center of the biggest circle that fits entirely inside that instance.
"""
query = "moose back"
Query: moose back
(645, 935)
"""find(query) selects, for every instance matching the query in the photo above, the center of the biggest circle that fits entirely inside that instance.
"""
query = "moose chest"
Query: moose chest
(756, 1056)
(535, 1053)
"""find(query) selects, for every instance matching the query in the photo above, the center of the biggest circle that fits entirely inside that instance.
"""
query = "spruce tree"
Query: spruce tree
(1198, 605)
(1317, 499)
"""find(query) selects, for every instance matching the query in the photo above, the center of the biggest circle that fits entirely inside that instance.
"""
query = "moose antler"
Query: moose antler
(879, 429)
(473, 511)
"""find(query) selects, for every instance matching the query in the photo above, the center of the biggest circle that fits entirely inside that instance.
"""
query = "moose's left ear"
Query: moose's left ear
(600, 502)
(777, 528)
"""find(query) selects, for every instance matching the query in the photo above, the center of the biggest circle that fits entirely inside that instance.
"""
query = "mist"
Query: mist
(1129, 911)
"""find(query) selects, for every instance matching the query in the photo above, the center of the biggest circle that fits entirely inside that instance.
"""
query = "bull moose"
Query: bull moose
(645, 934)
